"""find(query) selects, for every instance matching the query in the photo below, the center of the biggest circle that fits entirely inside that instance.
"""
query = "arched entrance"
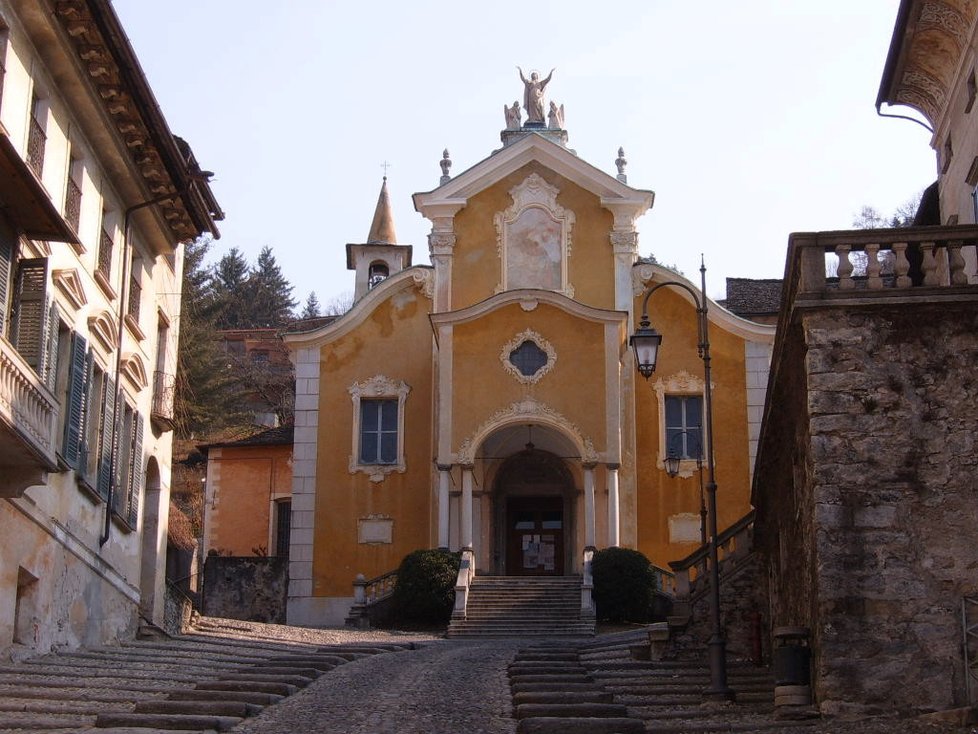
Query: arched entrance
(150, 575)
(534, 510)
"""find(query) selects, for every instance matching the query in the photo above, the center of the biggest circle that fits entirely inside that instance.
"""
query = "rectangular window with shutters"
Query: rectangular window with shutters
(94, 420)
(378, 431)
(283, 526)
(73, 373)
(128, 468)
(29, 324)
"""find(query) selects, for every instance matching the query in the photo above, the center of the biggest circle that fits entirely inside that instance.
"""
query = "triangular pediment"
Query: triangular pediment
(623, 200)
(70, 284)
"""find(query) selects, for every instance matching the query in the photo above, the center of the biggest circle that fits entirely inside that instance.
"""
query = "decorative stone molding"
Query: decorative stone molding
(641, 276)
(624, 242)
(528, 336)
(424, 281)
(102, 327)
(680, 383)
(378, 386)
(529, 304)
(534, 238)
(134, 370)
(527, 410)
(441, 243)
(70, 286)
(375, 530)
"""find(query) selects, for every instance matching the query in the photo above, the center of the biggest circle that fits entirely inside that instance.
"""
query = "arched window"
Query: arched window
(377, 273)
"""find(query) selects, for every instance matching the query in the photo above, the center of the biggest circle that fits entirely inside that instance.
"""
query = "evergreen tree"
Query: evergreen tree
(228, 300)
(312, 308)
(206, 398)
(270, 301)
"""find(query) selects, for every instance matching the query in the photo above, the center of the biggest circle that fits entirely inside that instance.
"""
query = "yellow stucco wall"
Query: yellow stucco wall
(245, 480)
(659, 497)
(477, 267)
(394, 341)
(575, 387)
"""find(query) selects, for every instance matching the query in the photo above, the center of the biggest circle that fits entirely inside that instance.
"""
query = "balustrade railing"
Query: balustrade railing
(26, 405)
(691, 580)
(466, 572)
(135, 297)
(587, 584)
(881, 260)
(105, 255)
(36, 140)
(164, 389)
(73, 204)
(367, 592)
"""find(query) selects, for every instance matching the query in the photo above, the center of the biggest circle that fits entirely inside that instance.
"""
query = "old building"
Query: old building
(865, 482)
(490, 401)
(98, 196)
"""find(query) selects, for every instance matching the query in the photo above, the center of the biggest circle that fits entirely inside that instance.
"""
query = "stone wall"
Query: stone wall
(252, 589)
(867, 498)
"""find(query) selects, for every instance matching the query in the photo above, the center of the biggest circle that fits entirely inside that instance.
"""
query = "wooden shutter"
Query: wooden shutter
(6, 258)
(30, 311)
(90, 411)
(136, 473)
(49, 368)
(105, 440)
(75, 402)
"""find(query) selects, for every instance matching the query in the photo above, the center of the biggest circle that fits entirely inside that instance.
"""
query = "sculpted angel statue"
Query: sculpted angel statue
(555, 117)
(512, 116)
(533, 95)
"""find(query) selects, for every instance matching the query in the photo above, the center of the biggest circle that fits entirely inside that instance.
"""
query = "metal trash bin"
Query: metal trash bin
(792, 659)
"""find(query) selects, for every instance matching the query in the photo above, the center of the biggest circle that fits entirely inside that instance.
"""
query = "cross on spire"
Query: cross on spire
(385, 165)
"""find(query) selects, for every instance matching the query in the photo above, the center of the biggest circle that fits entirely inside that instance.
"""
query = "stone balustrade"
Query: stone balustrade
(587, 584)
(466, 572)
(885, 261)
(367, 592)
(29, 411)
(691, 579)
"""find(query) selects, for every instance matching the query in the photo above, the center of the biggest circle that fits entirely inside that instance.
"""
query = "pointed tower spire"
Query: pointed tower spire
(382, 228)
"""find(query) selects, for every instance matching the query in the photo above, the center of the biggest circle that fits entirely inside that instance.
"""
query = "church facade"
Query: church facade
(490, 401)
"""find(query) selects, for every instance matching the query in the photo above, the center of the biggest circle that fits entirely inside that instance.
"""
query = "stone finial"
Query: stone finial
(382, 227)
(621, 162)
(446, 166)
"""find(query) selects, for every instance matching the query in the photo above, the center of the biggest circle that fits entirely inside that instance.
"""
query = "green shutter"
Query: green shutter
(75, 402)
(49, 370)
(6, 258)
(105, 440)
(30, 311)
(89, 413)
(136, 474)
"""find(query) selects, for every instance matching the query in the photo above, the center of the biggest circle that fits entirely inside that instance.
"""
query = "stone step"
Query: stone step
(588, 710)
(167, 721)
(28, 720)
(582, 725)
(199, 708)
(281, 689)
(252, 697)
(584, 696)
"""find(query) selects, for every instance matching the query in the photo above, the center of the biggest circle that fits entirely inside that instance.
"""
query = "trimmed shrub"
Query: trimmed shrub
(425, 589)
(624, 585)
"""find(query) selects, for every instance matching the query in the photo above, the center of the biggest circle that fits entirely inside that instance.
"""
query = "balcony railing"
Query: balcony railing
(135, 296)
(36, 140)
(73, 204)
(105, 256)
(878, 262)
(28, 414)
(164, 389)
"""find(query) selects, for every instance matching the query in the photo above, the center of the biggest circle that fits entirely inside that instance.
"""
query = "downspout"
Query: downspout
(123, 306)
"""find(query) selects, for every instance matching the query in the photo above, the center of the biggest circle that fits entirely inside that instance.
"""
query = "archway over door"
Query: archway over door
(153, 548)
(534, 512)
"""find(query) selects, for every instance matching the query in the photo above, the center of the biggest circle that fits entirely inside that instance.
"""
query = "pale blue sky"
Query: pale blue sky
(750, 120)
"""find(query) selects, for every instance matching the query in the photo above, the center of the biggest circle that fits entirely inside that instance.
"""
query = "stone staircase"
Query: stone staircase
(521, 606)
(205, 681)
(667, 695)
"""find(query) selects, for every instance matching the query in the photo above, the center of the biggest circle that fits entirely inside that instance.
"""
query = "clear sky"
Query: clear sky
(749, 119)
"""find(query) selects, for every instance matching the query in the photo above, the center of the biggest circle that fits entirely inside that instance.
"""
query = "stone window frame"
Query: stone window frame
(682, 384)
(378, 387)
(535, 193)
(528, 335)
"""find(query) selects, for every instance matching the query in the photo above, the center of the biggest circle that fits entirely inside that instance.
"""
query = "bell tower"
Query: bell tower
(380, 256)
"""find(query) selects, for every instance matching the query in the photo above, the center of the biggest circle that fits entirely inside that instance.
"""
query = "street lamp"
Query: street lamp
(673, 463)
(646, 341)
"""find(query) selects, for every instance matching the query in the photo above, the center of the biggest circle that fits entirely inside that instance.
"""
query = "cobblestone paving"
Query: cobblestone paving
(448, 687)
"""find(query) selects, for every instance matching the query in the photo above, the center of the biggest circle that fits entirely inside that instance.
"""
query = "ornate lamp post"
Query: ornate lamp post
(646, 341)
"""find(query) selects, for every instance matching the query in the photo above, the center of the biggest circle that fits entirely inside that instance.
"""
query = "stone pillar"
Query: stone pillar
(444, 482)
(441, 245)
(467, 507)
(614, 537)
(589, 505)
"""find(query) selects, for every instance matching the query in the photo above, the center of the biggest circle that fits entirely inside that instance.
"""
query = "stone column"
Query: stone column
(614, 538)
(444, 483)
(441, 245)
(589, 505)
(467, 507)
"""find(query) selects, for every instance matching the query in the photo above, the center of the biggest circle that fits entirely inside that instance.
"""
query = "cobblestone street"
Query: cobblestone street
(444, 688)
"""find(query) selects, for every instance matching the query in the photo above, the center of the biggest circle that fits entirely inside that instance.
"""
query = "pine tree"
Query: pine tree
(312, 308)
(270, 301)
(206, 397)
(228, 300)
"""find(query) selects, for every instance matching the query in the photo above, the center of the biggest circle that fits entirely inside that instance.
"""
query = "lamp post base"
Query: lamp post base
(718, 690)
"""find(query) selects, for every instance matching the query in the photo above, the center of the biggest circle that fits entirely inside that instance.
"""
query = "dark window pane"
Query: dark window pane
(368, 414)
(368, 447)
(674, 411)
(388, 415)
(528, 358)
(694, 411)
(388, 448)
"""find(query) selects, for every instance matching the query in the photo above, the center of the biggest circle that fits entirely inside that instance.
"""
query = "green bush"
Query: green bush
(624, 585)
(425, 590)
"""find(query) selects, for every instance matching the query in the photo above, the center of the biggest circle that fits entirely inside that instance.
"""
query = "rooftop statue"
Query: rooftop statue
(533, 96)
